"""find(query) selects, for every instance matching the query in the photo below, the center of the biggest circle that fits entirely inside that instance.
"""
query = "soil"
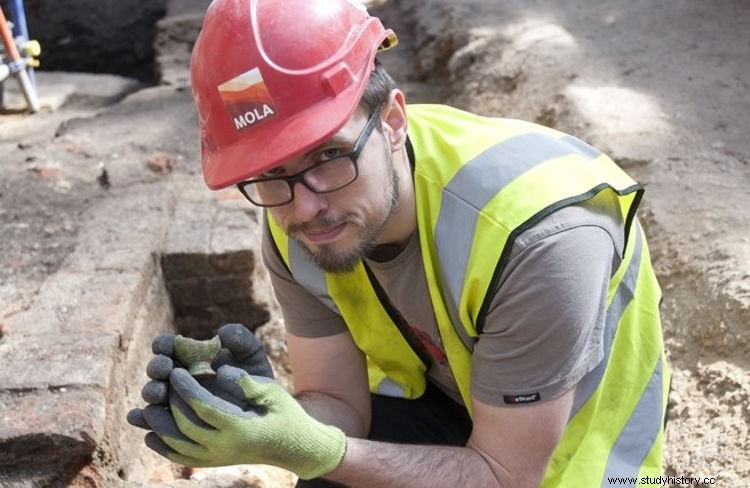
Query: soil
(663, 87)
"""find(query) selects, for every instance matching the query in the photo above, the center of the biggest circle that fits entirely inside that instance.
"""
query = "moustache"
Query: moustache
(314, 225)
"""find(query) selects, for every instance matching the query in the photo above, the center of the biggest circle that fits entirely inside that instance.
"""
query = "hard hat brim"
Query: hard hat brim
(300, 134)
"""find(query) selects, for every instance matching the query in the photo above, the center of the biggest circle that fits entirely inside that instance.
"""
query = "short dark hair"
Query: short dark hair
(378, 88)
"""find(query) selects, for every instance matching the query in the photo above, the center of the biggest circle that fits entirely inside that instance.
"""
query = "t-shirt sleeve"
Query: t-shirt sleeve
(543, 331)
(304, 315)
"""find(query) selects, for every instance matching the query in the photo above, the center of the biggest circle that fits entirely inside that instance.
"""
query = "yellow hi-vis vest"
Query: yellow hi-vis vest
(479, 183)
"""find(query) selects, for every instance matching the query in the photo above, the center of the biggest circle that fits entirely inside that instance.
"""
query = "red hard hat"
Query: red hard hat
(274, 78)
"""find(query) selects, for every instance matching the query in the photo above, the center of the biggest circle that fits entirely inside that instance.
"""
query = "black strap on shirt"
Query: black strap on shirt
(398, 319)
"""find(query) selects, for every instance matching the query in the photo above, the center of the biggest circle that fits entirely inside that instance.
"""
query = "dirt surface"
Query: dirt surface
(663, 87)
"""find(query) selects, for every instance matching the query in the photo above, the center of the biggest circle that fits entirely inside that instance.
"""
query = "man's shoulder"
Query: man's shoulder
(601, 213)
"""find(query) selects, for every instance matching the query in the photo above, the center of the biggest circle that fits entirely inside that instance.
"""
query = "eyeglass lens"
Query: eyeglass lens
(323, 178)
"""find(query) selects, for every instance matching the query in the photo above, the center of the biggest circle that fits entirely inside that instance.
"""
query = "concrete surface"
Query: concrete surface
(115, 184)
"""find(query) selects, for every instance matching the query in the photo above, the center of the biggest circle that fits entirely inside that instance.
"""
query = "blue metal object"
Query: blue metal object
(18, 17)
(14, 46)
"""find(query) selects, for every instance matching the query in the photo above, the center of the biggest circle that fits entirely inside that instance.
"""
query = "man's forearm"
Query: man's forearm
(333, 411)
(377, 464)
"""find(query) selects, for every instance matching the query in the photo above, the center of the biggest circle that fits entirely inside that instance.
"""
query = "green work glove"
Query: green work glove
(263, 424)
(240, 348)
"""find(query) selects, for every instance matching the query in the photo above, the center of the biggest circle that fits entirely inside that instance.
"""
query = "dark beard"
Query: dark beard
(332, 261)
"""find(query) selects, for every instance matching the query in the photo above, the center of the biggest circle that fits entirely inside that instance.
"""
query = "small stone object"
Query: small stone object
(196, 355)
(160, 162)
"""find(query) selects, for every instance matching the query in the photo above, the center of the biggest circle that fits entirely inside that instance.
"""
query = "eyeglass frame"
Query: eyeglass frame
(299, 177)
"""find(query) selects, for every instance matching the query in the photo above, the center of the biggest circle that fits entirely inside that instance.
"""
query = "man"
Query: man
(468, 301)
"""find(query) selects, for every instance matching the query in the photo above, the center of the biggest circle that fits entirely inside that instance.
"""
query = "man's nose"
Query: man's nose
(307, 204)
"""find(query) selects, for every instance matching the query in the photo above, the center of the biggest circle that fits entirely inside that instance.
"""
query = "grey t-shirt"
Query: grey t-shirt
(543, 331)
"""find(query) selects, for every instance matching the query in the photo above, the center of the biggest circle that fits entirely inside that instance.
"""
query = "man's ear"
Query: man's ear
(394, 118)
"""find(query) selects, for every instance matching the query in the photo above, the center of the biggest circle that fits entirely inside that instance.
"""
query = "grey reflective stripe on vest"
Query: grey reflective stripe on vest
(390, 388)
(308, 275)
(640, 433)
(643, 426)
(621, 300)
(469, 191)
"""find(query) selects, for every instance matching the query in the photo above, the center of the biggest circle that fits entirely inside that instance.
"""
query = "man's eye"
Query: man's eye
(329, 154)
(273, 172)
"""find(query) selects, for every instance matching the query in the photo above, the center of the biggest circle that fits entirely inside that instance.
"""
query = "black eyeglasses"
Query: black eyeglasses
(326, 177)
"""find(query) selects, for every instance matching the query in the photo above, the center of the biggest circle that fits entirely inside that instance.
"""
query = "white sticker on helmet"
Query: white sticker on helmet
(247, 99)
(361, 6)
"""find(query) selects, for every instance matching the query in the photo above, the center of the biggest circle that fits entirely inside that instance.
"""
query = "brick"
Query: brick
(45, 427)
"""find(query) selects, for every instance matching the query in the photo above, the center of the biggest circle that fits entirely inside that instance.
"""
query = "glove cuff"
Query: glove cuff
(325, 452)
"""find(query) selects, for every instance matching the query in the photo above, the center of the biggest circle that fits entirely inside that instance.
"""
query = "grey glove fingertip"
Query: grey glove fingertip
(227, 375)
(238, 339)
(227, 378)
(161, 421)
(157, 445)
(136, 419)
(244, 349)
(261, 366)
(229, 389)
(186, 388)
(176, 402)
(159, 367)
(163, 344)
(155, 392)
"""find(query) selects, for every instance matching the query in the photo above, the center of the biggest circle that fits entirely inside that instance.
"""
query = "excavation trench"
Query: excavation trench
(210, 289)
(207, 280)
